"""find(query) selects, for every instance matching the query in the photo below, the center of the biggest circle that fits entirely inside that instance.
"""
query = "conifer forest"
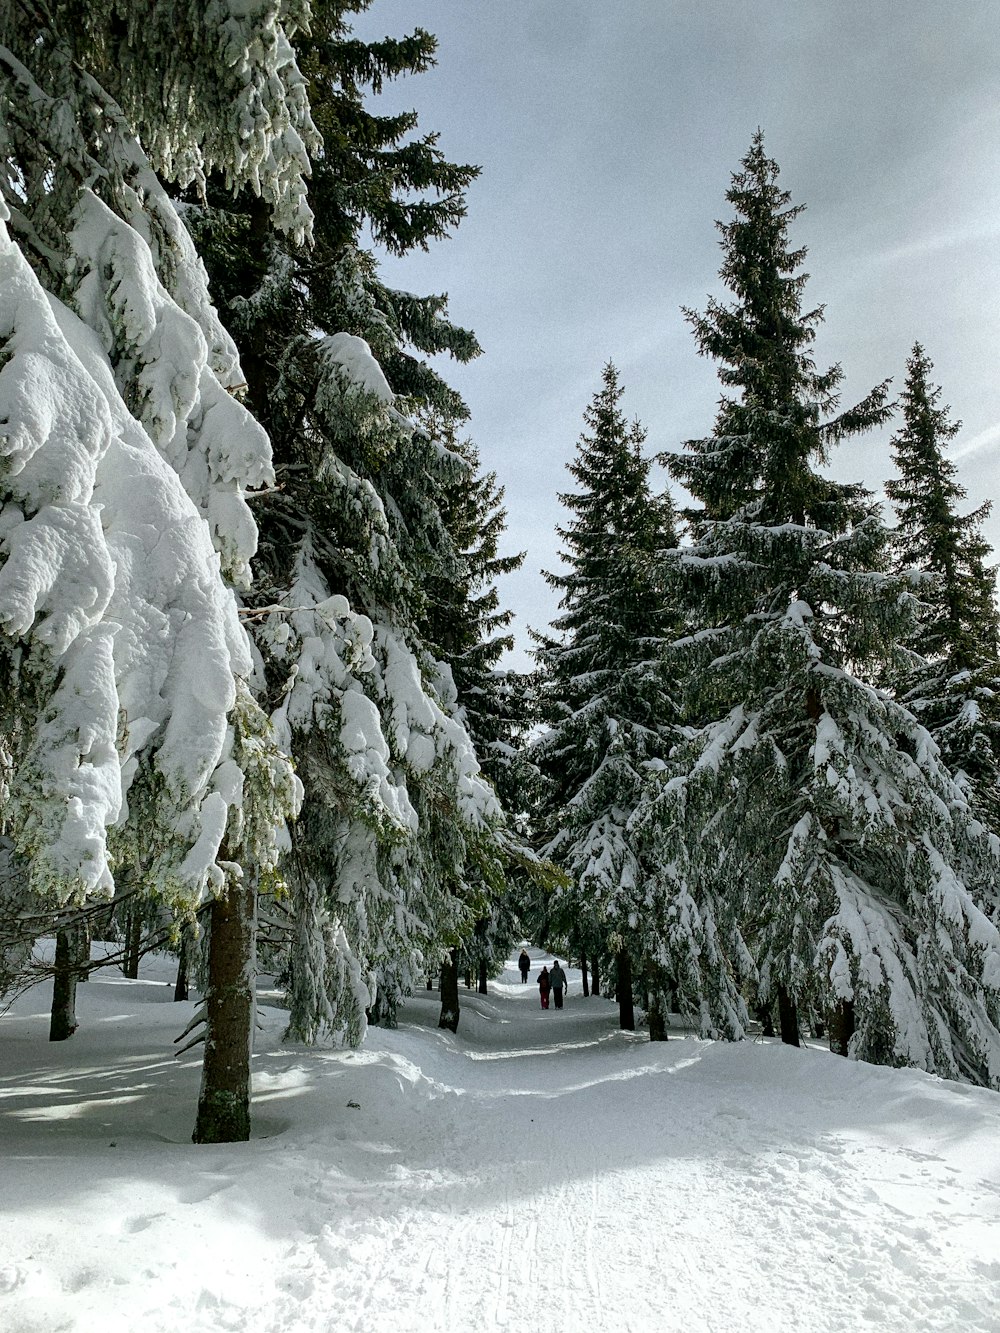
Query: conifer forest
(256, 714)
(307, 811)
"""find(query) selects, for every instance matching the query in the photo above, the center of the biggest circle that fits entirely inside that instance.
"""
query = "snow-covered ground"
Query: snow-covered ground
(536, 1170)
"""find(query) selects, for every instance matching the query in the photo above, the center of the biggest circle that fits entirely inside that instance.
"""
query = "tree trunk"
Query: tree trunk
(83, 951)
(468, 979)
(583, 972)
(62, 1023)
(766, 1020)
(841, 1026)
(483, 978)
(595, 976)
(788, 1018)
(450, 1011)
(224, 1101)
(626, 1007)
(133, 940)
(657, 1019)
(181, 984)
(388, 1010)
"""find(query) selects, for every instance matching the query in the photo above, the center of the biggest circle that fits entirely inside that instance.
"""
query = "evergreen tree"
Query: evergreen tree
(467, 628)
(955, 690)
(463, 619)
(126, 716)
(809, 811)
(395, 852)
(602, 692)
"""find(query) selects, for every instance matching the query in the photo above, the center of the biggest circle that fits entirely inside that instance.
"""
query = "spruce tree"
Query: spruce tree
(126, 713)
(463, 620)
(468, 628)
(809, 816)
(602, 691)
(395, 854)
(955, 688)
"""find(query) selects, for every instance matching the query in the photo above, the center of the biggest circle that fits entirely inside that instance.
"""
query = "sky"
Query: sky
(607, 135)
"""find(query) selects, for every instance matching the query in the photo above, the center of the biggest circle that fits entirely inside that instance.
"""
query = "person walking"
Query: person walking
(544, 985)
(557, 980)
(524, 963)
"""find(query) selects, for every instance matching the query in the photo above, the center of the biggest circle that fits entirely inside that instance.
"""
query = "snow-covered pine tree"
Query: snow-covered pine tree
(466, 626)
(463, 620)
(396, 814)
(128, 455)
(602, 691)
(955, 690)
(813, 810)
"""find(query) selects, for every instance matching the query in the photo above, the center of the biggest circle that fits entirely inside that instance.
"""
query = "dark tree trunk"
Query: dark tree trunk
(657, 1019)
(766, 1020)
(255, 350)
(101, 927)
(483, 978)
(814, 704)
(388, 1010)
(583, 973)
(788, 1018)
(430, 981)
(450, 1011)
(83, 951)
(224, 1102)
(133, 940)
(626, 1007)
(468, 979)
(841, 1026)
(181, 984)
(595, 976)
(62, 1023)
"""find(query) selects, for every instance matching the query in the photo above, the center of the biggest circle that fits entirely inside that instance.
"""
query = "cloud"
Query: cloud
(978, 442)
(950, 239)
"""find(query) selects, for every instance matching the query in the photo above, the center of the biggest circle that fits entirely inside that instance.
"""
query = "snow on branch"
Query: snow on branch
(162, 363)
(109, 581)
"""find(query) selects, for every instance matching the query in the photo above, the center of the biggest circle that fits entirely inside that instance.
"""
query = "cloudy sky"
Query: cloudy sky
(607, 131)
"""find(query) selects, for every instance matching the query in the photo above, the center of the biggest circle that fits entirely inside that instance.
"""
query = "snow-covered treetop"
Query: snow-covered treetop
(208, 88)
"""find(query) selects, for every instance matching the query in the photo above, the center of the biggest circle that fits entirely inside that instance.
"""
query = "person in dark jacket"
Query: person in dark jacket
(524, 963)
(557, 980)
(544, 984)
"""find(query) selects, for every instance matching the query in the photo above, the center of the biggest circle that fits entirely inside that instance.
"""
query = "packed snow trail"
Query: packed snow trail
(535, 1166)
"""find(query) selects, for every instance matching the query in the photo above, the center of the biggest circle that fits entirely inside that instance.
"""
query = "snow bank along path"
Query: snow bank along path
(536, 1168)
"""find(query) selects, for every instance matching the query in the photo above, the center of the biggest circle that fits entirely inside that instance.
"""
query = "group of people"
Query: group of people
(550, 980)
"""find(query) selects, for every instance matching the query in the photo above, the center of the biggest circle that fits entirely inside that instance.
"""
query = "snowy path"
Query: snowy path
(536, 1167)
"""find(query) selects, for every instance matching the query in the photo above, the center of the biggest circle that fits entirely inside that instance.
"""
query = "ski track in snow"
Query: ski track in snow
(538, 1165)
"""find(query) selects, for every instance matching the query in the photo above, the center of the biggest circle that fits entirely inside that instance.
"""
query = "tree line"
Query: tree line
(771, 757)
(251, 706)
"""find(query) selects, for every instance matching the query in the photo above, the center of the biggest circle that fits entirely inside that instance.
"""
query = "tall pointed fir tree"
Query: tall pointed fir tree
(955, 689)
(812, 812)
(467, 627)
(602, 690)
(132, 749)
(395, 852)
